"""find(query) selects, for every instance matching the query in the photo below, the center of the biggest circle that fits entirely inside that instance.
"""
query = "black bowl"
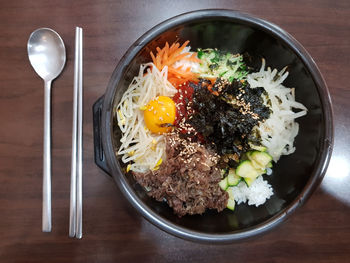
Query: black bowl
(294, 177)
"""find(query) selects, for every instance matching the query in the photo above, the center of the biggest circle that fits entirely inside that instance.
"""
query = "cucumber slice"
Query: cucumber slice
(224, 184)
(249, 181)
(232, 178)
(257, 147)
(262, 158)
(257, 165)
(246, 170)
(254, 163)
(249, 155)
(231, 203)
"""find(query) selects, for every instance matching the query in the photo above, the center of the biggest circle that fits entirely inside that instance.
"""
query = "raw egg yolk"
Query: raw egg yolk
(160, 114)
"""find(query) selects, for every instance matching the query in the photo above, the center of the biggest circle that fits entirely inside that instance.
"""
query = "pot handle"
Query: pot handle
(100, 159)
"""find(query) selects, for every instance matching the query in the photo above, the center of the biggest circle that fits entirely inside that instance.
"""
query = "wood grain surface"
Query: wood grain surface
(113, 231)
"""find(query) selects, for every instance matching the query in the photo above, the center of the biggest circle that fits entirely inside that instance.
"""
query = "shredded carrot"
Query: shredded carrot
(210, 86)
(168, 55)
(212, 80)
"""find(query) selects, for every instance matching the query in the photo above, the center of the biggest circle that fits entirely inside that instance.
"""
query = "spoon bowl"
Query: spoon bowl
(47, 55)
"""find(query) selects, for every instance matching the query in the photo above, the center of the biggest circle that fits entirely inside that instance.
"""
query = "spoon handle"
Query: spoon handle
(46, 220)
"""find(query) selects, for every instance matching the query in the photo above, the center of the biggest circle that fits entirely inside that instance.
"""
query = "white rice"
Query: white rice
(257, 194)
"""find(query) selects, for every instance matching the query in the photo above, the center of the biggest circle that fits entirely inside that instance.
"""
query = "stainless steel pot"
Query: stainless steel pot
(294, 178)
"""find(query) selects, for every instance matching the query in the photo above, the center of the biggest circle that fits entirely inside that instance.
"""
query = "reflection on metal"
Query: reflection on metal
(337, 180)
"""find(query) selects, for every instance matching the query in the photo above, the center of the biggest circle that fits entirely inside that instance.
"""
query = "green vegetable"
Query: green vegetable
(199, 53)
(232, 178)
(249, 181)
(262, 158)
(213, 66)
(218, 63)
(222, 74)
(255, 166)
(216, 57)
(257, 147)
(231, 200)
(246, 170)
(223, 184)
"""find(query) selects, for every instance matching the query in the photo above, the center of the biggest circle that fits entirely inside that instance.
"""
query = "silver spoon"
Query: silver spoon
(47, 55)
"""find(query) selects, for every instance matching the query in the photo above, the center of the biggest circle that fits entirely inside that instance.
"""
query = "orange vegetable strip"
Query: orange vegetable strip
(181, 73)
(161, 57)
(158, 62)
(172, 48)
(168, 55)
(176, 46)
(194, 57)
(164, 57)
(212, 80)
(153, 58)
(210, 88)
(179, 50)
(174, 59)
(183, 57)
(166, 52)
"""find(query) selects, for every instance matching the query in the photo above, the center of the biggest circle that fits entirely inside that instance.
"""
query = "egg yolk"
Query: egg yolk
(160, 114)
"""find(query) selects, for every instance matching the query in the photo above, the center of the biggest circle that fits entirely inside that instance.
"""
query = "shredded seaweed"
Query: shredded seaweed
(227, 120)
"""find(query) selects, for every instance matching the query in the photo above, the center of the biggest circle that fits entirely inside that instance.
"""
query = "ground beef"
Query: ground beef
(187, 180)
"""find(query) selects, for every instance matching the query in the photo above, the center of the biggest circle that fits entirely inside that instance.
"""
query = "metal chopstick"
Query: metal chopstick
(75, 215)
(79, 212)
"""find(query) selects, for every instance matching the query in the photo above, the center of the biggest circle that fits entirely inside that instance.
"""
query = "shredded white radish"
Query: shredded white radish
(279, 130)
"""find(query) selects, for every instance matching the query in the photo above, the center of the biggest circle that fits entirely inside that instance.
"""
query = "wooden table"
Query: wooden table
(113, 232)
